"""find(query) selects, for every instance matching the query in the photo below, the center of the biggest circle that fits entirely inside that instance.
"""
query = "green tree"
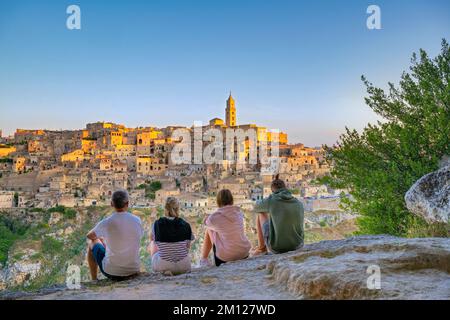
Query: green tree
(7, 238)
(10, 231)
(155, 186)
(150, 188)
(59, 209)
(380, 164)
(69, 213)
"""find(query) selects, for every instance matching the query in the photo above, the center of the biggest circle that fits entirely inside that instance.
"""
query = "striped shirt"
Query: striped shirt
(173, 251)
(173, 237)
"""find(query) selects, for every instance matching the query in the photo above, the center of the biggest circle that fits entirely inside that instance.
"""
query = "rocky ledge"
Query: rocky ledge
(340, 269)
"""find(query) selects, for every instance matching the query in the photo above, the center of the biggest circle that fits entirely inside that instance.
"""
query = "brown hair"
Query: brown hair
(172, 207)
(278, 184)
(224, 198)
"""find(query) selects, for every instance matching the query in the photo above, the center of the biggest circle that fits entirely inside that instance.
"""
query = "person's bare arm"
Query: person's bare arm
(152, 232)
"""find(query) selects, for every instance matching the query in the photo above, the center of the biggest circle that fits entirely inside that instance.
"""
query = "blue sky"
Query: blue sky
(292, 65)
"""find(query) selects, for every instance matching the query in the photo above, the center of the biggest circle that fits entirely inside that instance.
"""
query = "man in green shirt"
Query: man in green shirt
(279, 221)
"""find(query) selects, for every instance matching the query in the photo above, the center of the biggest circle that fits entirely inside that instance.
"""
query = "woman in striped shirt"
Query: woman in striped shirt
(171, 240)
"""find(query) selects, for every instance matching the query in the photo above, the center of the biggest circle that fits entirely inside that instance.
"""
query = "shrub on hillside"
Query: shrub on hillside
(380, 164)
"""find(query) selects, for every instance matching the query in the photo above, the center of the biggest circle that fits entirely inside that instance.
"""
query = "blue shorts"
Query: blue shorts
(266, 235)
(266, 232)
(99, 252)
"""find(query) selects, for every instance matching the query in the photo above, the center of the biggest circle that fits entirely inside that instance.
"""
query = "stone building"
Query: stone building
(83, 167)
(193, 200)
(230, 112)
(163, 194)
(150, 165)
(191, 184)
(19, 164)
(6, 150)
(6, 199)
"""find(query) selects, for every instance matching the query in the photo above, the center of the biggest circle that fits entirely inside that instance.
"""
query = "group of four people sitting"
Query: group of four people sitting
(114, 243)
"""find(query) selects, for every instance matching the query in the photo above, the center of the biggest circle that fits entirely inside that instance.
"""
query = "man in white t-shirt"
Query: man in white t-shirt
(115, 241)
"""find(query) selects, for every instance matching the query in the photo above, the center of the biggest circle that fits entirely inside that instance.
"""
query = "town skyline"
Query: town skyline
(291, 65)
(229, 119)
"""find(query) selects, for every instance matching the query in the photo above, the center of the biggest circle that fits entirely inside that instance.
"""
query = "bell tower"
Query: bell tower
(230, 112)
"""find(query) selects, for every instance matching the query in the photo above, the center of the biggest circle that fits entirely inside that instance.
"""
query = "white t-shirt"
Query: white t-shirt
(122, 233)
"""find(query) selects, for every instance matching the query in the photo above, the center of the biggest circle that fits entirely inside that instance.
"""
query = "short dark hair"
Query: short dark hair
(120, 199)
(224, 198)
(278, 184)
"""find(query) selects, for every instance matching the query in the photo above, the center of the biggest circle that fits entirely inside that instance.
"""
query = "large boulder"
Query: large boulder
(429, 197)
(371, 267)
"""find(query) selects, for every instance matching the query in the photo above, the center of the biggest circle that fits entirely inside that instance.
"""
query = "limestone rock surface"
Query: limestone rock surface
(368, 267)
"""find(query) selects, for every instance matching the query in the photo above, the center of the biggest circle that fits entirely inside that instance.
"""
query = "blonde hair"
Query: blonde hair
(172, 207)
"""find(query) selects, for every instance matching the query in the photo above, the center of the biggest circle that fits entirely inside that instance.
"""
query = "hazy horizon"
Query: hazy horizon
(291, 65)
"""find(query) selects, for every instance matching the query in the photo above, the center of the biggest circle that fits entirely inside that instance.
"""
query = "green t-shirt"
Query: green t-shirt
(286, 213)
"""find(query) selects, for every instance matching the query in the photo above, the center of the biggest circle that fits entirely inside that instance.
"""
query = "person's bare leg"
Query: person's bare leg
(93, 267)
(153, 248)
(260, 220)
(207, 245)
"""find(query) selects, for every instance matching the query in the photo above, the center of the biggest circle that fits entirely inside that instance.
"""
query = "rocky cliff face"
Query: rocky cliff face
(372, 267)
(429, 197)
(20, 272)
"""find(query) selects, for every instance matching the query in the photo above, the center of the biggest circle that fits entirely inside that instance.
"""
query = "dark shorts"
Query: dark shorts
(99, 251)
(217, 261)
